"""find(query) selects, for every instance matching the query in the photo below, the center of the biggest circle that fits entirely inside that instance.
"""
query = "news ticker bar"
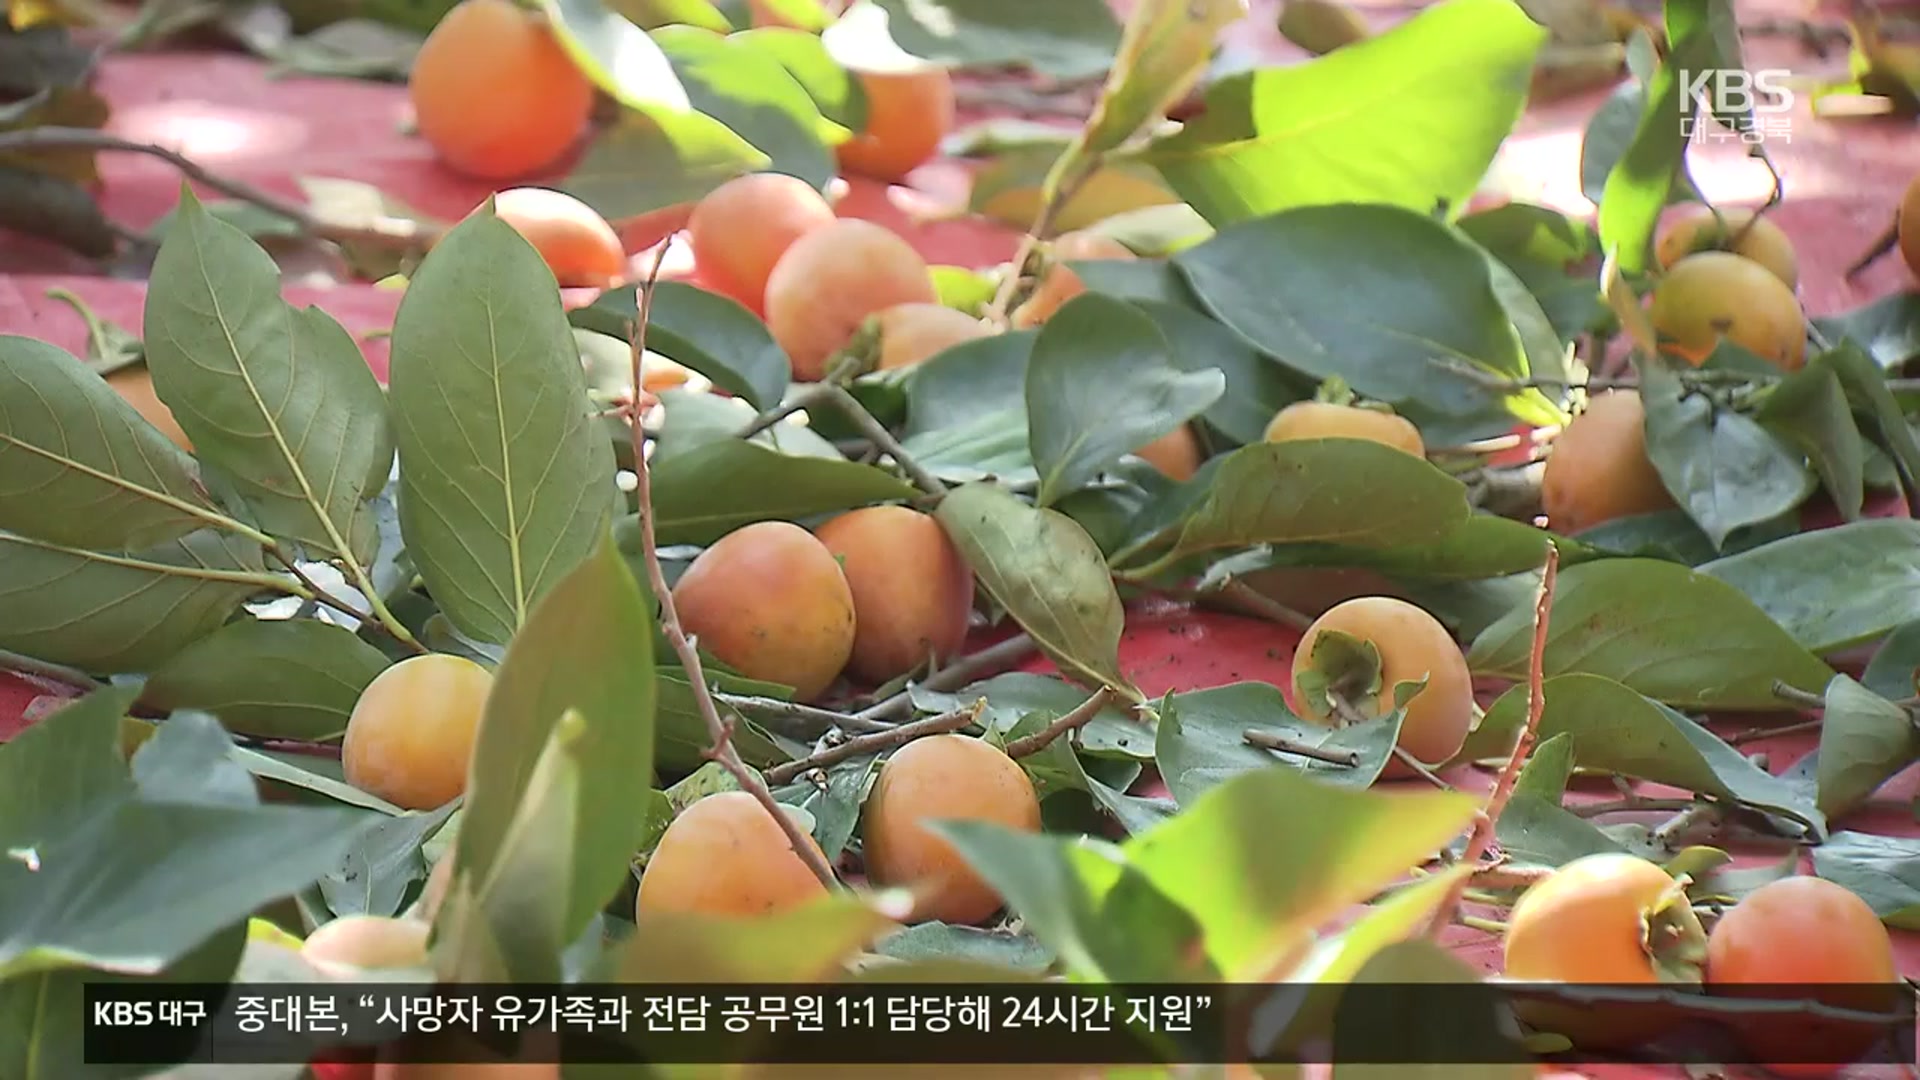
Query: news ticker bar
(997, 1024)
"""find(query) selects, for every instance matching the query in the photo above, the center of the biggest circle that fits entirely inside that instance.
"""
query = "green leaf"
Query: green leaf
(1099, 385)
(1611, 131)
(1891, 671)
(506, 483)
(284, 679)
(1223, 859)
(82, 468)
(1047, 573)
(703, 330)
(682, 732)
(637, 164)
(1483, 546)
(703, 494)
(962, 289)
(1641, 182)
(1202, 740)
(377, 873)
(1429, 339)
(1410, 118)
(752, 93)
(122, 613)
(836, 93)
(1887, 330)
(1113, 732)
(586, 651)
(324, 778)
(1809, 409)
(1008, 189)
(990, 447)
(1164, 49)
(1402, 915)
(1641, 622)
(277, 398)
(804, 944)
(1882, 870)
(43, 1016)
(1865, 740)
(1301, 491)
(104, 875)
(939, 941)
(188, 759)
(1727, 471)
(1867, 390)
(693, 419)
(1833, 588)
(1258, 386)
(1615, 729)
(648, 14)
(1065, 39)
(974, 379)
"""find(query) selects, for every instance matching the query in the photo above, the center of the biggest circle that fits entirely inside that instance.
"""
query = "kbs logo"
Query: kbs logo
(1756, 102)
(123, 1013)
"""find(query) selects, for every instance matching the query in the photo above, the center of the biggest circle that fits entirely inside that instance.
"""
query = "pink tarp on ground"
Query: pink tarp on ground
(1841, 183)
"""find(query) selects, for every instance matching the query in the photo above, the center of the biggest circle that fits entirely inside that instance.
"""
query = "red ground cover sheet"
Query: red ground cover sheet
(223, 110)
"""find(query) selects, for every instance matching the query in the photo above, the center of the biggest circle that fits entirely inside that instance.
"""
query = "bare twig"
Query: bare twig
(1420, 769)
(1499, 875)
(1260, 604)
(877, 432)
(1631, 804)
(1484, 823)
(988, 661)
(1041, 230)
(390, 626)
(800, 402)
(1078, 718)
(1756, 734)
(719, 730)
(391, 233)
(775, 707)
(1697, 816)
(22, 664)
(1804, 699)
(878, 741)
(1267, 740)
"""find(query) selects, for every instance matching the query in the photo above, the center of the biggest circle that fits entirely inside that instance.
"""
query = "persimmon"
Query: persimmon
(1412, 646)
(495, 94)
(741, 228)
(1804, 932)
(908, 114)
(577, 243)
(906, 334)
(824, 287)
(1058, 283)
(350, 943)
(942, 777)
(1606, 919)
(1908, 227)
(1713, 295)
(134, 383)
(912, 592)
(725, 855)
(1326, 420)
(1694, 228)
(1176, 455)
(410, 737)
(1598, 469)
(770, 600)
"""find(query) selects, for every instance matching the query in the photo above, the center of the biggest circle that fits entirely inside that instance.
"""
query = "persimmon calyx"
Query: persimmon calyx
(1674, 939)
(1334, 391)
(1342, 670)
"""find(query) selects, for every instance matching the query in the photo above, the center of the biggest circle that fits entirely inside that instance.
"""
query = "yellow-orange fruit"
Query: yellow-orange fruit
(410, 737)
(134, 383)
(1908, 225)
(1059, 283)
(1598, 469)
(950, 777)
(912, 592)
(1600, 920)
(740, 230)
(1325, 420)
(770, 600)
(725, 855)
(908, 113)
(494, 93)
(1694, 229)
(827, 283)
(576, 242)
(353, 942)
(910, 333)
(1412, 646)
(1805, 932)
(1712, 295)
(1176, 454)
